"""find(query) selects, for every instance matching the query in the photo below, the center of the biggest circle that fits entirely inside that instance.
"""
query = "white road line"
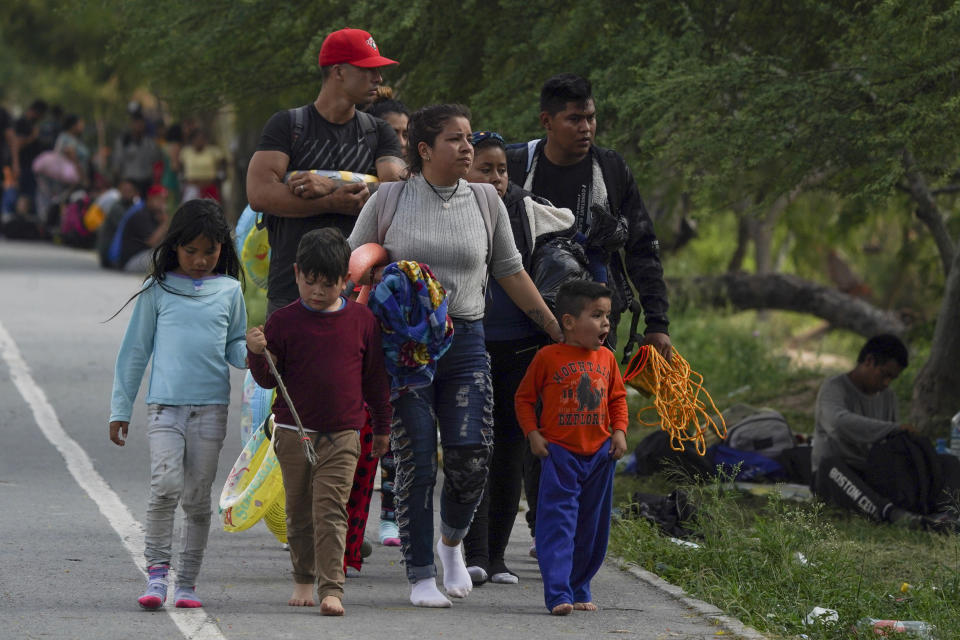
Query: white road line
(194, 624)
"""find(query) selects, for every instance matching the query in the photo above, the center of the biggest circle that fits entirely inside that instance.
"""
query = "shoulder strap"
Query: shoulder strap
(298, 120)
(531, 151)
(488, 199)
(388, 195)
(368, 126)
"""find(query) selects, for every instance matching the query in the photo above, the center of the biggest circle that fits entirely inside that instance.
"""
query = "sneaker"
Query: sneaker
(389, 533)
(905, 519)
(186, 598)
(943, 522)
(156, 593)
(352, 572)
(533, 549)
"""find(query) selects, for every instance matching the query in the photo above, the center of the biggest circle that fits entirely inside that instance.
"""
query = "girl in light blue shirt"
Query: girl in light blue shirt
(190, 318)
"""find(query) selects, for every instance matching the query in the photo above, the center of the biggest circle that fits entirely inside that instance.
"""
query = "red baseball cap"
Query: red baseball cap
(156, 190)
(352, 46)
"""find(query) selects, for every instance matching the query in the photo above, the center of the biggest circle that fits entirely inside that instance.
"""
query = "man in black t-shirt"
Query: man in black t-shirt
(596, 184)
(330, 135)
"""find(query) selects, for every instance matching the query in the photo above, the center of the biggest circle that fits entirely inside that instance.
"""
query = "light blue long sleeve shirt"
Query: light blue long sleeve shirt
(192, 335)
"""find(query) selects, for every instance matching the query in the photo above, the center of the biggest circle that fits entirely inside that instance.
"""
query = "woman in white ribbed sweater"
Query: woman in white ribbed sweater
(438, 221)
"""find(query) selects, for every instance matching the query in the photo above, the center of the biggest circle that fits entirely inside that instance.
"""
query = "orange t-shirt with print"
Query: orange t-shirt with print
(580, 396)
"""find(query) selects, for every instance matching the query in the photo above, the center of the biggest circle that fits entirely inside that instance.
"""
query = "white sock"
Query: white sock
(504, 578)
(477, 574)
(424, 593)
(456, 580)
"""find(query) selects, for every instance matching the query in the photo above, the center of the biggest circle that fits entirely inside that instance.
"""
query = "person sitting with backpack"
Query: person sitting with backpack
(866, 460)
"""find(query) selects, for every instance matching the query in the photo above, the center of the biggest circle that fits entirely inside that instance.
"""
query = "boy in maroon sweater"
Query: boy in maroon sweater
(327, 349)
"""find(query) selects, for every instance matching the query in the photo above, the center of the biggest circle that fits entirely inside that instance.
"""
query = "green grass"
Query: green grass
(748, 565)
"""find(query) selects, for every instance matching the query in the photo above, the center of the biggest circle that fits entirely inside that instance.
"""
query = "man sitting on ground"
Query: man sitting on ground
(855, 411)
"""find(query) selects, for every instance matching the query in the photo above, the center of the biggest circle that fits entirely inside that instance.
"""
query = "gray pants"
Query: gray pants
(185, 443)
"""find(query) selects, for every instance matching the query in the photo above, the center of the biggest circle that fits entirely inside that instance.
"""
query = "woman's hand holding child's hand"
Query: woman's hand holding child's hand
(118, 432)
(618, 444)
(256, 341)
(538, 444)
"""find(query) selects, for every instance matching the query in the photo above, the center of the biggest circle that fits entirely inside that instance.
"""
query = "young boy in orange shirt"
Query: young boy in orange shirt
(579, 435)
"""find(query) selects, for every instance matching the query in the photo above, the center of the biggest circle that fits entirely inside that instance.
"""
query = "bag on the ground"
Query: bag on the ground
(904, 468)
(554, 262)
(765, 432)
(653, 455)
(669, 513)
(796, 464)
(750, 466)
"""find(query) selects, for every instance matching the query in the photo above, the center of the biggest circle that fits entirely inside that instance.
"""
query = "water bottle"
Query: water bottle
(909, 628)
(955, 435)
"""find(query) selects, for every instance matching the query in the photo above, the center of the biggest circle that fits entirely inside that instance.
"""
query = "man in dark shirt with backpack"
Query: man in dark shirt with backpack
(330, 133)
(596, 184)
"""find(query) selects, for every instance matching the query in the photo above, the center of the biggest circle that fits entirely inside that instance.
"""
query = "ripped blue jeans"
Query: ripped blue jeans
(460, 403)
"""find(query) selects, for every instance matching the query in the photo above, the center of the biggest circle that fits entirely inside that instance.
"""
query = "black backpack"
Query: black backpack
(556, 261)
(653, 455)
(670, 513)
(904, 468)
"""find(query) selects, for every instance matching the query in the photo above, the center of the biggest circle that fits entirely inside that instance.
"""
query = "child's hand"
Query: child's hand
(256, 341)
(618, 444)
(381, 444)
(118, 432)
(538, 444)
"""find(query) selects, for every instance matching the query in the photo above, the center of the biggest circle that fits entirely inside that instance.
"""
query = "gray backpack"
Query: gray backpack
(765, 432)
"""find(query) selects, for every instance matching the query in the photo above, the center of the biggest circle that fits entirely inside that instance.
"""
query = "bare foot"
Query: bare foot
(302, 596)
(331, 606)
(563, 609)
(584, 606)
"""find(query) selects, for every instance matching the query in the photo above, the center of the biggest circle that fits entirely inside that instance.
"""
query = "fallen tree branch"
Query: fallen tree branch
(786, 293)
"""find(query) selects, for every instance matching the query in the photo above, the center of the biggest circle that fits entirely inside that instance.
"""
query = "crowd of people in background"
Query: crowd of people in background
(64, 181)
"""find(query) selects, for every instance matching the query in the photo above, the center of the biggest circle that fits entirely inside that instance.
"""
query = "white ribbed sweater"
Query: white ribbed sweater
(453, 242)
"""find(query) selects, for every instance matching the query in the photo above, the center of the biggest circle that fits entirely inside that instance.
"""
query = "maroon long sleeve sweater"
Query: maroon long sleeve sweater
(331, 363)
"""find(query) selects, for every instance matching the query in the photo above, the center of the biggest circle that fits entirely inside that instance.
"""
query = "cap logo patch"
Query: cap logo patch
(371, 43)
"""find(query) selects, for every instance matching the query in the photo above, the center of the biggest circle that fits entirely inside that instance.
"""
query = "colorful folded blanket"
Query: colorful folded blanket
(411, 305)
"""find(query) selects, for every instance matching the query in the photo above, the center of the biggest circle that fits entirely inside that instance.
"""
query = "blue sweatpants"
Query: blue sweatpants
(573, 522)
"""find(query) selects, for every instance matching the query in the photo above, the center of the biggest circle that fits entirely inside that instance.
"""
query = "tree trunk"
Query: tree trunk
(936, 390)
(743, 239)
(788, 293)
(928, 212)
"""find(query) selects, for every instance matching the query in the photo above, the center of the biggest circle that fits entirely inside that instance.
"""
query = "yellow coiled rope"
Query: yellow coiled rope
(676, 391)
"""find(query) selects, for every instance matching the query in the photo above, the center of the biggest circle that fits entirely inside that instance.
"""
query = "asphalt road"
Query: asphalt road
(71, 504)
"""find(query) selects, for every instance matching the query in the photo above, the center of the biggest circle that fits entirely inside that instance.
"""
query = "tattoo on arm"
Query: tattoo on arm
(537, 316)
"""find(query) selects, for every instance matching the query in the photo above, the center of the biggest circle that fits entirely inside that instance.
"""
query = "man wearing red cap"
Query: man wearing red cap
(330, 133)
